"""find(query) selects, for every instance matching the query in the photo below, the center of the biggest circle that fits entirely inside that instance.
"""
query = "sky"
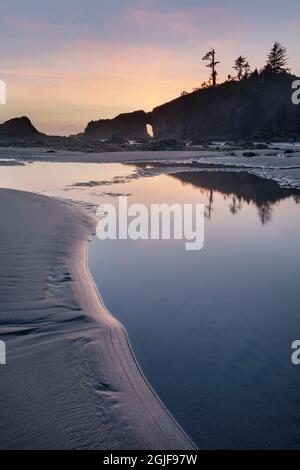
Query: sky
(66, 62)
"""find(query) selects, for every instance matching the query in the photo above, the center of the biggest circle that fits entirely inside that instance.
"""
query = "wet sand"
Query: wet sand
(71, 380)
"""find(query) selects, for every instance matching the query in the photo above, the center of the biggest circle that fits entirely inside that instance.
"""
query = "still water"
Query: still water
(212, 330)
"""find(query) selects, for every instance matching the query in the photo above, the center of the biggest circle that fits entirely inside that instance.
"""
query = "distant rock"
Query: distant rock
(128, 126)
(18, 128)
(115, 139)
(261, 146)
(249, 154)
(258, 109)
(166, 144)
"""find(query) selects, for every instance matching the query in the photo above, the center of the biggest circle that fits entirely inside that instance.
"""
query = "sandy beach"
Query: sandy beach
(149, 236)
(71, 380)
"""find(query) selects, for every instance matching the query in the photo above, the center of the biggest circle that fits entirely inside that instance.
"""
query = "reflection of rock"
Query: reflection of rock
(18, 128)
(129, 126)
(240, 187)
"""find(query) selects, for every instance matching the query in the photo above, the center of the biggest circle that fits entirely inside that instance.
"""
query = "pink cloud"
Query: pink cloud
(219, 20)
(28, 72)
(175, 22)
(29, 25)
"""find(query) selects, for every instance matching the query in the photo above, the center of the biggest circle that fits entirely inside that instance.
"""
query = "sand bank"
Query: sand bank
(71, 381)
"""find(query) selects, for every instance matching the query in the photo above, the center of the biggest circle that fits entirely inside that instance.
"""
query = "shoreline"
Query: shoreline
(280, 167)
(23, 155)
(71, 380)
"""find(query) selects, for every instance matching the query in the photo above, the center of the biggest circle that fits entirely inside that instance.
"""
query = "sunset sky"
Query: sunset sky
(66, 62)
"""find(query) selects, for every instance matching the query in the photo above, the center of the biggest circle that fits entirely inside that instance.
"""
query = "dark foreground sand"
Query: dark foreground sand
(71, 381)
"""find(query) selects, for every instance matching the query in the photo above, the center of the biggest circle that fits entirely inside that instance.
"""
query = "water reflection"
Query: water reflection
(212, 330)
(239, 188)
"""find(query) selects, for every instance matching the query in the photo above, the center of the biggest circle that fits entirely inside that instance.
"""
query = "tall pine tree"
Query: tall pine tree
(242, 67)
(210, 57)
(277, 61)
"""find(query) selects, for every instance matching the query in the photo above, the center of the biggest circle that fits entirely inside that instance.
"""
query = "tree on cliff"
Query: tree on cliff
(242, 68)
(256, 73)
(210, 57)
(277, 61)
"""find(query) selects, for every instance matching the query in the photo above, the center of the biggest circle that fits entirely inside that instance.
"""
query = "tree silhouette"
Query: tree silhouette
(230, 78)
(242, 67)
(247, 70)
(277, 60)
(205, 85)
(210, 57)
(255, 73)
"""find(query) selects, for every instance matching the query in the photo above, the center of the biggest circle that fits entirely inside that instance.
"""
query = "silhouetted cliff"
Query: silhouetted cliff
(129, 126)
(18, 128)
(257, 108)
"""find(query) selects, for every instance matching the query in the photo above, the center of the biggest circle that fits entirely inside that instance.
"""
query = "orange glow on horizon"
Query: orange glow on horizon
(62, 93)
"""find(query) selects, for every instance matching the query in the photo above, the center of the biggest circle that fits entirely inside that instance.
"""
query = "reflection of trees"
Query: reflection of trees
(265, 213)
(239, 188)
(265, 210)
(297, 198)
(209, 207)
(236, 205)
